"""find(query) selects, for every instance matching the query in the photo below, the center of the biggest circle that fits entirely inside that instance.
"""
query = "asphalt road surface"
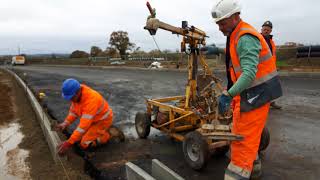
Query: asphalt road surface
(293, 152)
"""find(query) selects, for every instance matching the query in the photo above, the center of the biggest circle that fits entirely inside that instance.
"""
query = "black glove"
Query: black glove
(224, 102)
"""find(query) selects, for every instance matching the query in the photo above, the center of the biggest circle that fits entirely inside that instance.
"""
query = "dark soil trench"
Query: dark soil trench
(15, 109)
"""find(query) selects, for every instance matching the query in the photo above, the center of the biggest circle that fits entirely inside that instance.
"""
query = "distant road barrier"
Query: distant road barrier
(308, 51)
(140, 58)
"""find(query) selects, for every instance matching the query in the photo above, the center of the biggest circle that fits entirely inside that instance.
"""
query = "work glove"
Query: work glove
(61, 126)
(224, 102)
(63, 147)
(211, 49)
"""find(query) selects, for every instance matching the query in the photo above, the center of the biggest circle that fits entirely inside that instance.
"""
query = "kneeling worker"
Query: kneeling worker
(94, 113)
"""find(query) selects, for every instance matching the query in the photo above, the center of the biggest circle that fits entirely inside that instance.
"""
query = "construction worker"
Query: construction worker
(252, 84)
(266, 33)
(94, 113)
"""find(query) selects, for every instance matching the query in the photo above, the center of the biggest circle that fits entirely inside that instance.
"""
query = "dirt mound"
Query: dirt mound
(6, 106)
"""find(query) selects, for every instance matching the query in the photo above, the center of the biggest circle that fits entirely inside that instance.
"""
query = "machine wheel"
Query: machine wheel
(142, 124)
(265, 139)
(195, 150)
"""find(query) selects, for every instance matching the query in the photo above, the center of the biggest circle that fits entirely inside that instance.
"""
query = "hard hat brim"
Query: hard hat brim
(234, 11)
(67, 97)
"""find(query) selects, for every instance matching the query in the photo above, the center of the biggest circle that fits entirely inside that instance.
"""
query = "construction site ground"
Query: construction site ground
(23, 148)
(292, 154)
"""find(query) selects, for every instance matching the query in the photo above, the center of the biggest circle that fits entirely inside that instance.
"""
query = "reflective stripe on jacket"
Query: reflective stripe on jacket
(266, 69)
(91, 109)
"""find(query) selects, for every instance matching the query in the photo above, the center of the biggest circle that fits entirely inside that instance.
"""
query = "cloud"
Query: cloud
(66, 25)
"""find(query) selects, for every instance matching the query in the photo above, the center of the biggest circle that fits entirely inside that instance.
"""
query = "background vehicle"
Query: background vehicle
(18, 60)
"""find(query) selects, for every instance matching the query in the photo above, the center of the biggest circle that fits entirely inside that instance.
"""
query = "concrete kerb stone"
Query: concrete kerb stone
(159, 172)
(51, 136)
(134, 172)
(162, 172)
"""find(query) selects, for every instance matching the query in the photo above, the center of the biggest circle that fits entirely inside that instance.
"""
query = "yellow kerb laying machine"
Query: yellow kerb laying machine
(192, 118)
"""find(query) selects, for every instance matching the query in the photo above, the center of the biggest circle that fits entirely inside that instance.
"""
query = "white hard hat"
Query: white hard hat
(224, 9)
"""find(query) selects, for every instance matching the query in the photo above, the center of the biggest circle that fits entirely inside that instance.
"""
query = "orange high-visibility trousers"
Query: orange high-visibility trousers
(250, 125)
(96, 134)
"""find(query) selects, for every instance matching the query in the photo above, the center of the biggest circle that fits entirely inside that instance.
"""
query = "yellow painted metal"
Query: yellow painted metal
(205, 66)
(176, 136)
(194, 38)
(215, 145)
(190, 66)
(186, 106)
(177, 119)
(168, 107)
(184, 128)
(155, 24)
(193, 89)
(207, 70)
(167, 99)
(171, 119)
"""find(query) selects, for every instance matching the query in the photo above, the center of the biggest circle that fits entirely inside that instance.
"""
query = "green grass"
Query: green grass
(282, 63)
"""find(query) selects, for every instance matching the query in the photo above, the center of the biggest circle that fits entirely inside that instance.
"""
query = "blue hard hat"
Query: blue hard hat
(70, 88)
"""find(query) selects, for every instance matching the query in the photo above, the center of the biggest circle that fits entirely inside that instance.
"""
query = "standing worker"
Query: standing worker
(266, 33)
(252, 84)
(94, 113)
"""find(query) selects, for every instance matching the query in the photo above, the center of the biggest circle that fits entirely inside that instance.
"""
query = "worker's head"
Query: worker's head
(266, 28)
(226, 13)
(71, 90)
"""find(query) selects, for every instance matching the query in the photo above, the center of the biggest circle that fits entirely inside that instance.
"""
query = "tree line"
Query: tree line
(119, 46)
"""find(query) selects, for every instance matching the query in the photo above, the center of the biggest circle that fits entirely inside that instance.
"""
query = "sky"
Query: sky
(62, 26)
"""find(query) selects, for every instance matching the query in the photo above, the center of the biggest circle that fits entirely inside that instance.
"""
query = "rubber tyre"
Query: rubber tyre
(195, 150)
(265, 139)
(142, 124)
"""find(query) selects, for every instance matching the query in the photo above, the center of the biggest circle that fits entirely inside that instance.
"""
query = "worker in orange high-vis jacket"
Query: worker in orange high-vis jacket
(252, 84)
(93, 111)
(266, 33)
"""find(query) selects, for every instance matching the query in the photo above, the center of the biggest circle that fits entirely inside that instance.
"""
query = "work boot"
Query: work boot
(256, 170)
(234, 172)
(229, 175)
(275, 106)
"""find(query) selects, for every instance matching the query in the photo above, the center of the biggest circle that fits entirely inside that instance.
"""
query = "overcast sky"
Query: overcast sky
(61, 26)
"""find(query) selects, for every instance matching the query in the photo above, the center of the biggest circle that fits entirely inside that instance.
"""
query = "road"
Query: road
(292, 154)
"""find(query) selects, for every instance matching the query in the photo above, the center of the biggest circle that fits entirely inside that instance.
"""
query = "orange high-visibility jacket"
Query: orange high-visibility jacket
(273, 46)
(91, 108)
(266, 67)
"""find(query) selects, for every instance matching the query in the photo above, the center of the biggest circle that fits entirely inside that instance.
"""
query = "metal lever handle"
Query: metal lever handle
(150, 8)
